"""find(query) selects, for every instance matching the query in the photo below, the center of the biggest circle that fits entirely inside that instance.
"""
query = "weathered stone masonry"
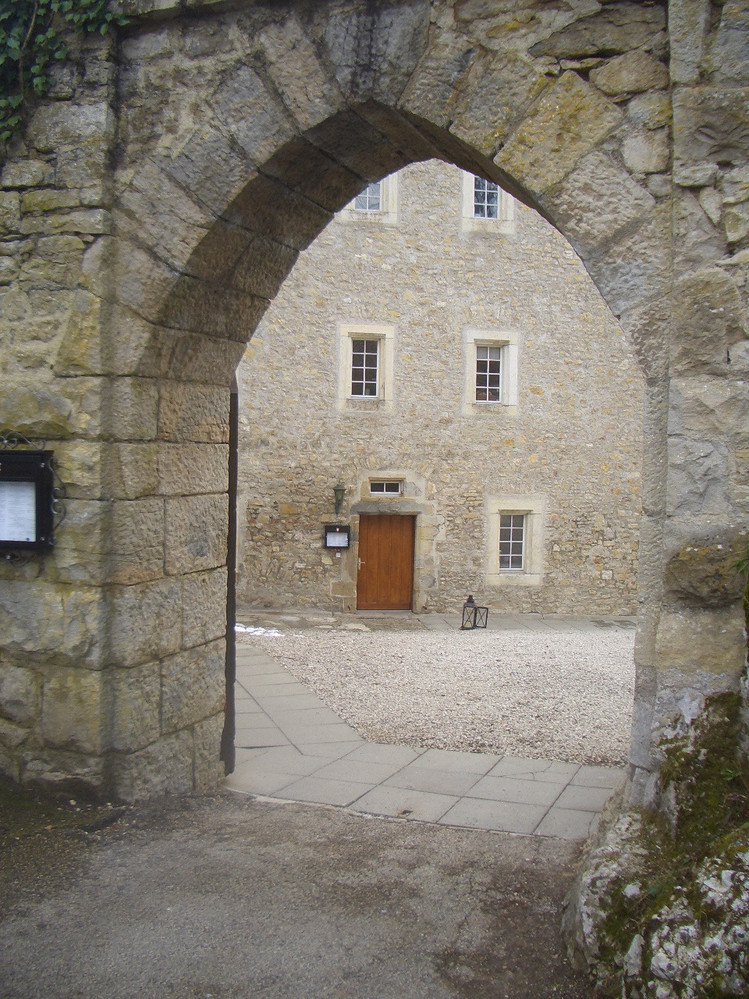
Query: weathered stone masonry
(152, 209)
(568, 435)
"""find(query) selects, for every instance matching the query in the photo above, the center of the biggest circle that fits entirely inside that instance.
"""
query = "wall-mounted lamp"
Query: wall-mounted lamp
(339, 492)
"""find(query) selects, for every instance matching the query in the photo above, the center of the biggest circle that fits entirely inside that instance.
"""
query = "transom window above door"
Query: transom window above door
(386, 487)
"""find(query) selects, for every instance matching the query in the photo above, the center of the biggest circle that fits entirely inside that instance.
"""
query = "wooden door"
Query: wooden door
(385, 575)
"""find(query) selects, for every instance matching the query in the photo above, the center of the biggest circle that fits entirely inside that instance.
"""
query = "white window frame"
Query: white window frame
(504, 224)
(385, 335)
(532, 508)
(386, 214)
(385, 483)
(508, 343)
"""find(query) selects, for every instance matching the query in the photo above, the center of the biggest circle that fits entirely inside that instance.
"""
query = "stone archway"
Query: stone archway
(235, 137)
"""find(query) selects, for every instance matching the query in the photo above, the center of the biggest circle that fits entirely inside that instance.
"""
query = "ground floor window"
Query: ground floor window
(511, 541)
(515, 539)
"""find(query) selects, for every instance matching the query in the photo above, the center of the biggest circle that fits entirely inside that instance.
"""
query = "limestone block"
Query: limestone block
(196, 528)
(616, 27)
(266, 206)
(193, 412)
(10, 213)
(636, 267)
(135, 697)
(38, 412)
(264, 267)
(155, 211)
(143, 281)
(650, 110)
(596, 201)
(219, 250)
(17, 174)
(695, 642)
(131, 470)
(72, 710)
(11, 735)
(209, 768)
(79, 467)
(696, 239)
(708, 322)
(212, 310)
(164, 767)
(203, 607)
(54, 621)
(210, 166)
(62, 768)
(730, 43)
(20, 694)
(48, 200)
(145, 622)
(735, 190)
(710, 126)
(631, 73)
(191, 468)
(568, 121)
(443, 70)
(134, 346)
(711, 204)
(698, 477)
(503, 83)
(80, 543)
(91, 221)
(295, 68)
(703, 572)
(647, 152)
(59, 124)
(375, 50)
(648, 329)
(55, 263)
(709, 408)
(192, 357)
(131, 409)
(136, 540)
(193, 686)
(688, 24)
(79, 352)
(251, 114)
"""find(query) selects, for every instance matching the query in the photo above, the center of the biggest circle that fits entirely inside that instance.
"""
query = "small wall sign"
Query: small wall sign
(26, 501)
(337, 536)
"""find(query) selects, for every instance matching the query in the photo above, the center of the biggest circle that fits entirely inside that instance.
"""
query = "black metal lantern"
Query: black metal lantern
(473, 615)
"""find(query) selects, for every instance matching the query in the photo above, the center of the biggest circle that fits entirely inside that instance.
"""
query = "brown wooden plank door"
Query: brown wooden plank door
(385, 576)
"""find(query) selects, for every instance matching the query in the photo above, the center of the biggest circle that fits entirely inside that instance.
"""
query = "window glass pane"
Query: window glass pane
(369, 199)
(485, 199)
(364, 365)
(511, 540)
(488, 373)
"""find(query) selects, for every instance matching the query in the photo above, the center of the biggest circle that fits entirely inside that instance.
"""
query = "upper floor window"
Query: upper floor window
(486, 207)
(488, 372)
(485, 199)
(511, 541)
(365, 366)
(376, 204)
(369, 199)
(365, 356)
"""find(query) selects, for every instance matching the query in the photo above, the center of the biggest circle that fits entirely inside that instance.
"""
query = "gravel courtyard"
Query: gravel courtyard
(559, 695)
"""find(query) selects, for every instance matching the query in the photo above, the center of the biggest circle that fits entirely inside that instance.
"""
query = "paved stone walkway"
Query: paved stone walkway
(292, 747)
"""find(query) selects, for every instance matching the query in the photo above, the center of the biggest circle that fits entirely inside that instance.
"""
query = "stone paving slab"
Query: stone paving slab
(292, 747)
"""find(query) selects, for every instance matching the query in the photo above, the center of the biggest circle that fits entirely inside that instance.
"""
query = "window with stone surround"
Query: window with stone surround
(515, 540)
(365, 366)
(377, 203)
(486, 207)
(491, 370)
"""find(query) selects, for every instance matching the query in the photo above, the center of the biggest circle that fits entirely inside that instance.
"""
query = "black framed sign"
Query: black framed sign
(337, 536)
(26, 498)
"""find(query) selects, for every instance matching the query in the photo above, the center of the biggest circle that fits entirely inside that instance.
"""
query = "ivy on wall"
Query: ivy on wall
(32, 39)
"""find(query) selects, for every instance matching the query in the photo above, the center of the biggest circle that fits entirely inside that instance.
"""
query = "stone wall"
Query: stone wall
(573, 440)
(155, 204)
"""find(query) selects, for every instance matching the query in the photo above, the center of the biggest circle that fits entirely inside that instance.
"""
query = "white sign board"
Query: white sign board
(18, 511)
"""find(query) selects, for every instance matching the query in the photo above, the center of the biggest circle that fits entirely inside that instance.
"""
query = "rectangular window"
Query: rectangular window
(364, 367)
(369, 199)
(385, 487)
(511, 541)
(488, 373)
(485, 199)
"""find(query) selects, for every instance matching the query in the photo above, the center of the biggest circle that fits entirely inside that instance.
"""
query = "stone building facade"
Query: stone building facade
(440, 284)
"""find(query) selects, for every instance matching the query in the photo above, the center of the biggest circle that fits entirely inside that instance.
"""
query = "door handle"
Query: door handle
(359, 563)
